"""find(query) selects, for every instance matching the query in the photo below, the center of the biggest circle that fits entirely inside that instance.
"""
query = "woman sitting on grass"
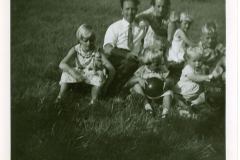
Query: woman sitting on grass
(89, 65)
(153, 60)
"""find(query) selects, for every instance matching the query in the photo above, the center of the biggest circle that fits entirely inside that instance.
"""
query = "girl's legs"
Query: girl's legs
(95, 93)
(167, 101)
(138, 89)
(63, 91)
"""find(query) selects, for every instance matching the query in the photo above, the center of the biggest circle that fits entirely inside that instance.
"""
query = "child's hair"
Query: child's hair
(149, 54)
(209, 28)
(184, 16)
(85, 30)
(193, 51)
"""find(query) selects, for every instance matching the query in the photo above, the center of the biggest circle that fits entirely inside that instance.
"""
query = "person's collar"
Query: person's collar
(126, 23)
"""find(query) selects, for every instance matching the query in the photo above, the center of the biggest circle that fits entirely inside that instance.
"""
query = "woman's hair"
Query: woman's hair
(193, 51)
(184, 16)
(209, 28)
(85, 30)
(134, 1)
(149, 54)
(167, 4)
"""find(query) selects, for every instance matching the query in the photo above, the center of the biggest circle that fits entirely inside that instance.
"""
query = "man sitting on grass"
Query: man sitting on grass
(122, 44)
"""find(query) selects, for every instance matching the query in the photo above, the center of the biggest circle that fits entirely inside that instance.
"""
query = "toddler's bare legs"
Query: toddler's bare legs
(199, 100)
(95, 93)
(138, 89)
(167, 101)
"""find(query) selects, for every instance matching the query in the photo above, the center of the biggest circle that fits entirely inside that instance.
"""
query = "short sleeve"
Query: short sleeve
(111, 36)
(187, 69)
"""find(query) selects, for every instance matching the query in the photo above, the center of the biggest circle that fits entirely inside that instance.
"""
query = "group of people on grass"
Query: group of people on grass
(153, 43)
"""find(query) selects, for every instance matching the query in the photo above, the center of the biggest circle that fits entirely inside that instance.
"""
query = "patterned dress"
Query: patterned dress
(84, 65)
(146, 73)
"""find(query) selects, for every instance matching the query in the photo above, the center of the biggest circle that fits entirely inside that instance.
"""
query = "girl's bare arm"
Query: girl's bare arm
(198, 78)
(182, 35)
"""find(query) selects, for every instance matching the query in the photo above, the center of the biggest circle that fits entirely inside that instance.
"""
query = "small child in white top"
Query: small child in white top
(189, 86)
(180, 39)
(153, 60)
(89, 66)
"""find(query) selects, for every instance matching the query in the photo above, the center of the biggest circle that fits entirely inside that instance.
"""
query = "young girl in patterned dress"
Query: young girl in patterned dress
(90, 65)
(153, 59)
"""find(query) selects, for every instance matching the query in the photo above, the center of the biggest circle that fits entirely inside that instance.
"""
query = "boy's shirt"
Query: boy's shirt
(212, 55)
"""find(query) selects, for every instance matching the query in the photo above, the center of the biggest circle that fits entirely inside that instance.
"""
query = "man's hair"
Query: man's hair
(167, 3)
(135, 1)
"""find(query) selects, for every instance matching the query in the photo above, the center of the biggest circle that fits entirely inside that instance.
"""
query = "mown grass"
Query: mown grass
(41, 34)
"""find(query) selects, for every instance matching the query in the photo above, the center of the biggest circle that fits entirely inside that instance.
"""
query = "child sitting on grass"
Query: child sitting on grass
(189, 88)
(212, 50)
(153, 60)
(179, 45)
(89, 65)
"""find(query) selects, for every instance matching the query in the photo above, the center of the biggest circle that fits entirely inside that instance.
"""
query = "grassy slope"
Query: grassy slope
(41, 34)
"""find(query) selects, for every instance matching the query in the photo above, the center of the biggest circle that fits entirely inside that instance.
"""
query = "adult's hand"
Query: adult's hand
(131, 56)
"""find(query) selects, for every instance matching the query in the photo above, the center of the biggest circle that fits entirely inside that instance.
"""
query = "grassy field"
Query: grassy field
(42, 32)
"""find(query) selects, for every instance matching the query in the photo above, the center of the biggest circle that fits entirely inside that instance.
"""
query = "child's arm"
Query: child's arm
(64, 64)
(111, 74)
(183, 36)
(199, 78)
(132, 81)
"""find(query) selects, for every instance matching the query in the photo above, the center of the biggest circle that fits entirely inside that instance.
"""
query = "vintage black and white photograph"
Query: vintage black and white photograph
(118, 79)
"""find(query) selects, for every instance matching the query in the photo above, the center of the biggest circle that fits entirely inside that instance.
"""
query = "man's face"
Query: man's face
(129, 11)
(160, 8)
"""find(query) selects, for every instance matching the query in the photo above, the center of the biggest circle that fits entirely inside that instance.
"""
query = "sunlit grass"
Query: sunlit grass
(42, 32)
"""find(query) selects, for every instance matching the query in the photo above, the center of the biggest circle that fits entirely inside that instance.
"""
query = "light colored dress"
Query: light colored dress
(186, 87)
(84, 64)
(177, 50)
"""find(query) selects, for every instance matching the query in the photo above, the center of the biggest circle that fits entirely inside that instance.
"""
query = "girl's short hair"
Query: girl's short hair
(193, 51)
(149, 54)
(85, 30)
(209, 28)
(184, 16)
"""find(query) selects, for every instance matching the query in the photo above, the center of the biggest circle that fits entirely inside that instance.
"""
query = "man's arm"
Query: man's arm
(109, 50)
